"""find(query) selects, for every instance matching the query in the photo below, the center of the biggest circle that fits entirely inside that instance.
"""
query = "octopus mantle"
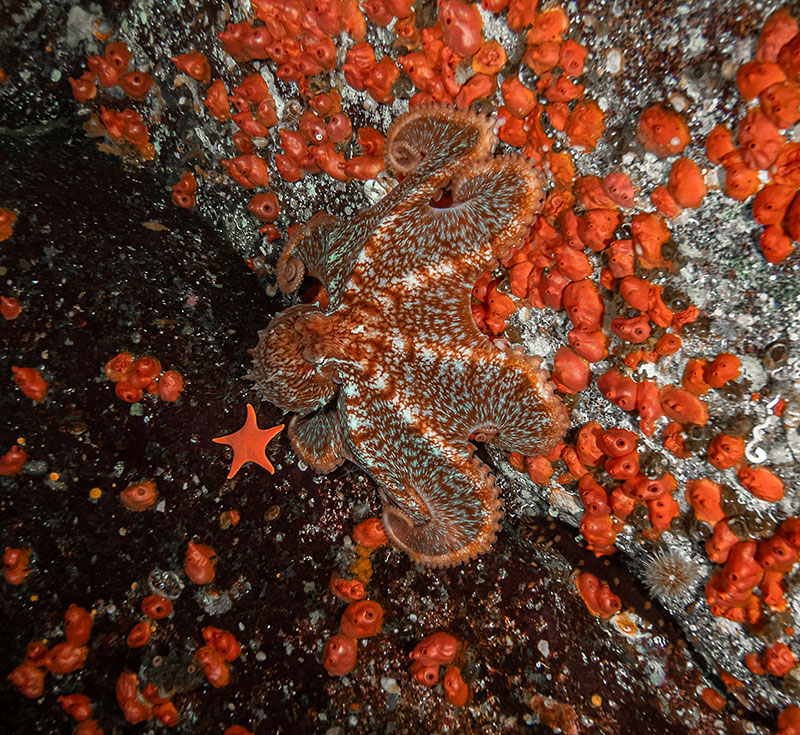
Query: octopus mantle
(394, 375)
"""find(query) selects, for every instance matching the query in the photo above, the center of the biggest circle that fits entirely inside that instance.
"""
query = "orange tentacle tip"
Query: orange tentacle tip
(339, 654)
(140, 496)
(362, 619)
(200, 563)
(369, 533)
(30, 382)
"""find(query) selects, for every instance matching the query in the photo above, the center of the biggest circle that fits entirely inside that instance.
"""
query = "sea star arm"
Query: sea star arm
(441, 504)
(319, 440)
(249, 443)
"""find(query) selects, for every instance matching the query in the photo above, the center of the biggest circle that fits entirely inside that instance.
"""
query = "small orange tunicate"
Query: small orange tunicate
(776, 245)
(30, 382)
(199, 563)
(139, 496)
(682, 406)
(719, 143)
(456, 690)
(10, 308)
(723, 368)
(755, 76)
(77, 706)
(195, 65)
(585, 125)
(369, 533)
(15, 565)
(119, 367)
(140, 634)
(12, 462)
(223, 642)
(771, 203)
(705, 498)
(725, 451)
(362, 619)
(156, 607)
(686, 184)
(64, 658)
(762, 483)
(170, 386)
(663, 131)
(78, 625)
(215, 667)
(339, 654)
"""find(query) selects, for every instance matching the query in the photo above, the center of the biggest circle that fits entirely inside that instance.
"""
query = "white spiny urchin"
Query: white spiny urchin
(671, 575)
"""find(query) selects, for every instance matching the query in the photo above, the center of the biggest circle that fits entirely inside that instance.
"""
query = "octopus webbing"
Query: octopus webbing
(394, 375)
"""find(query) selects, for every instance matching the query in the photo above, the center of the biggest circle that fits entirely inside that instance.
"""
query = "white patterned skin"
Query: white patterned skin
(394, 375)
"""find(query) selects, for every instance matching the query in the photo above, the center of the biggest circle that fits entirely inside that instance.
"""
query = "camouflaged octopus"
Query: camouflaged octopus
(394, 375)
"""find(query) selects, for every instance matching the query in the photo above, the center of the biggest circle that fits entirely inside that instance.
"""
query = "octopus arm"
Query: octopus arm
(441, 504)
(492, 204)
(432, 139)
(495, 396)
(319, 440)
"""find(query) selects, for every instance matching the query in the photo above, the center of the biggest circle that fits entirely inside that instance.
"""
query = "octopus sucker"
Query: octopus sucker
(393, 375)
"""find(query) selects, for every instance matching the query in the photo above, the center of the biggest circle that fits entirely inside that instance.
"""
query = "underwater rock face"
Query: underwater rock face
(663, 303)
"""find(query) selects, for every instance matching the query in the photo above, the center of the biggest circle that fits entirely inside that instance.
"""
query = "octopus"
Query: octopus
(393, 374)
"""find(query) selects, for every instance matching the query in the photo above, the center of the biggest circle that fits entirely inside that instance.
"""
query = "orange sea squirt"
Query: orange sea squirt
(339, 654)
(682, 406)
(139, 496)
(349, 590)
(663, 131)
(725, 451)
(723, 368)
(12, 462)
(30, 382)
(705, 498)
(456, 690)
(362, 619)
(761, 482)
(686, 184)
(156, 607)
(78, 625)
(139, 635)
(15, 565)
(200, 562)
(369, 533)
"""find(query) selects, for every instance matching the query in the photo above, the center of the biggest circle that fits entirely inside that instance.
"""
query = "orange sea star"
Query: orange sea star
(249, 444)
